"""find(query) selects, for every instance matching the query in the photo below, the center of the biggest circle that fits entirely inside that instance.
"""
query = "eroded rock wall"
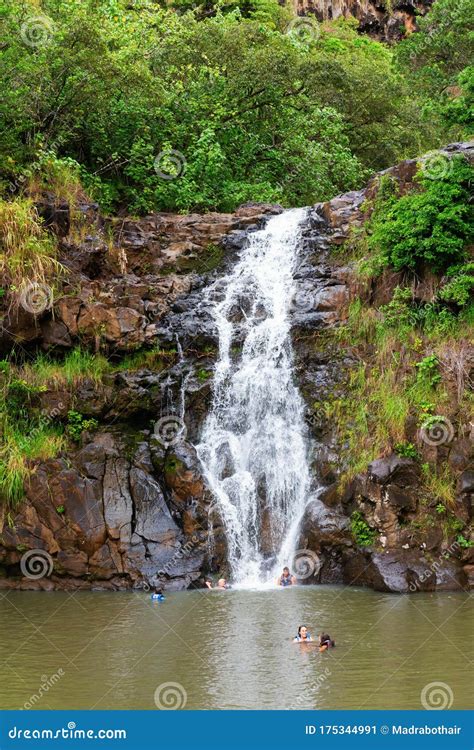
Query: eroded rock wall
(387, 20)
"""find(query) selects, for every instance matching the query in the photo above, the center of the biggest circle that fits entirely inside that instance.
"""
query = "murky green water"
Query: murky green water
(233, 649)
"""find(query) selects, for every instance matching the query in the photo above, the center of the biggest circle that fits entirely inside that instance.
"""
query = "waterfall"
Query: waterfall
(253, 447)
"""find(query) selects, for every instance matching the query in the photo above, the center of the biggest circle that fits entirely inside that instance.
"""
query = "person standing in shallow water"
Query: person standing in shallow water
(286, 579)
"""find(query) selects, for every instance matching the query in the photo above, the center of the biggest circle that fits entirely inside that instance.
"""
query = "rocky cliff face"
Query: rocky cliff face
(405, 556)
(127, 507)
(387, 20)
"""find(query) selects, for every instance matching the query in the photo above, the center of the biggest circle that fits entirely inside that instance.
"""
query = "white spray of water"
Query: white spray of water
(253, 446)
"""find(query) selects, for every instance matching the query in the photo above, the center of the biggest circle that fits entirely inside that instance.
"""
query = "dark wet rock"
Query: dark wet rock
(394, 468)
(468, 571)
(400, 497)
(466, 481)
(106, 514)
(398, 571)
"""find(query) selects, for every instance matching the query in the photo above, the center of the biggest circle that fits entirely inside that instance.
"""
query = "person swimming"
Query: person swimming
(222, 585)
(303, 635)
(157, 595)
(286, 579)
(325, 642)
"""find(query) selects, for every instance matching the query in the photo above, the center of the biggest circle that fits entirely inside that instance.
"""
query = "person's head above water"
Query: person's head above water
(325, 641)
(302, 631)
(286, 572)
(221, 583)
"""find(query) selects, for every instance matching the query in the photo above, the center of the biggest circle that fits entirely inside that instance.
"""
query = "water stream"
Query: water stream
(253, 447)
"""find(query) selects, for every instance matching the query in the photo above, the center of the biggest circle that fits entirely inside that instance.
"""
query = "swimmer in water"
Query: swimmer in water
(286, 579)
(325, 642)
(222, 585)
(303, 635)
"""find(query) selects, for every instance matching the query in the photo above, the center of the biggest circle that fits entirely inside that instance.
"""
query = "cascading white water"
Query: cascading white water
(253, 447)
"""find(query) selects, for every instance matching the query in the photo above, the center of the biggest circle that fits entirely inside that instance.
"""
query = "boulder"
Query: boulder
(394, 469)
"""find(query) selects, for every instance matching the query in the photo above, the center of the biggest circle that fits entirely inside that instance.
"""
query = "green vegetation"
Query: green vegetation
(25, 434)
(413, 373)
(432, 225)
(407, 450)
(436, 61)
(28, 254)
(361, 531)
(76, 365)
(198, 106)
(77, 424)
(463, 542)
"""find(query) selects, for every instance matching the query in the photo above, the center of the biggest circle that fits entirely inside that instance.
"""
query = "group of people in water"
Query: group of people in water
(304, 636)
(324, 640)
(286, 579)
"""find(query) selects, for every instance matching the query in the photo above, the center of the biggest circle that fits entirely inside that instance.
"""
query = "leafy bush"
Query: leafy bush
(459, 286)
(407, 450)
(361, 531)
(77, 424)
(428, 370)
(436, 59)
(463, 542)
(430, 225)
